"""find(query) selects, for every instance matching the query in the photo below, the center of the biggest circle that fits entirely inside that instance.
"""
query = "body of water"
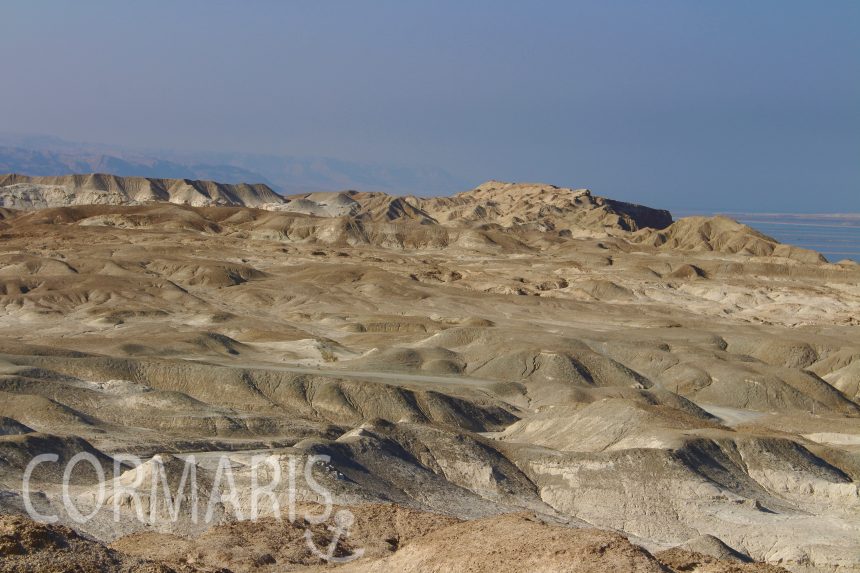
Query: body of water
(836, 236)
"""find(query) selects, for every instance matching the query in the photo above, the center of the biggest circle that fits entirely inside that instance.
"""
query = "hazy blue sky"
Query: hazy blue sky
(746, 104)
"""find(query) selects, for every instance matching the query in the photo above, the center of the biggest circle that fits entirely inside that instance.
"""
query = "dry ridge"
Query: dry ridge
(24, 192)
(507, 204)
(361, 216)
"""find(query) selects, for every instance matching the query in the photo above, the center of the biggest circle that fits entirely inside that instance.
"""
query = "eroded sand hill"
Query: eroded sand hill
(515, 377)
(24, 192)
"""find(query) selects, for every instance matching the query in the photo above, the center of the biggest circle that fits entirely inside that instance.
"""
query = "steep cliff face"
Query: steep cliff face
(640, 215)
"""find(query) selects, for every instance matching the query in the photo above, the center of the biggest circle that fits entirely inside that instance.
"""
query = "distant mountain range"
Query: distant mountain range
(46, 155)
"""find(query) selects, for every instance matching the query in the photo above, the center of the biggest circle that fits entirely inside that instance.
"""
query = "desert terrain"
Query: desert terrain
(517, 377)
